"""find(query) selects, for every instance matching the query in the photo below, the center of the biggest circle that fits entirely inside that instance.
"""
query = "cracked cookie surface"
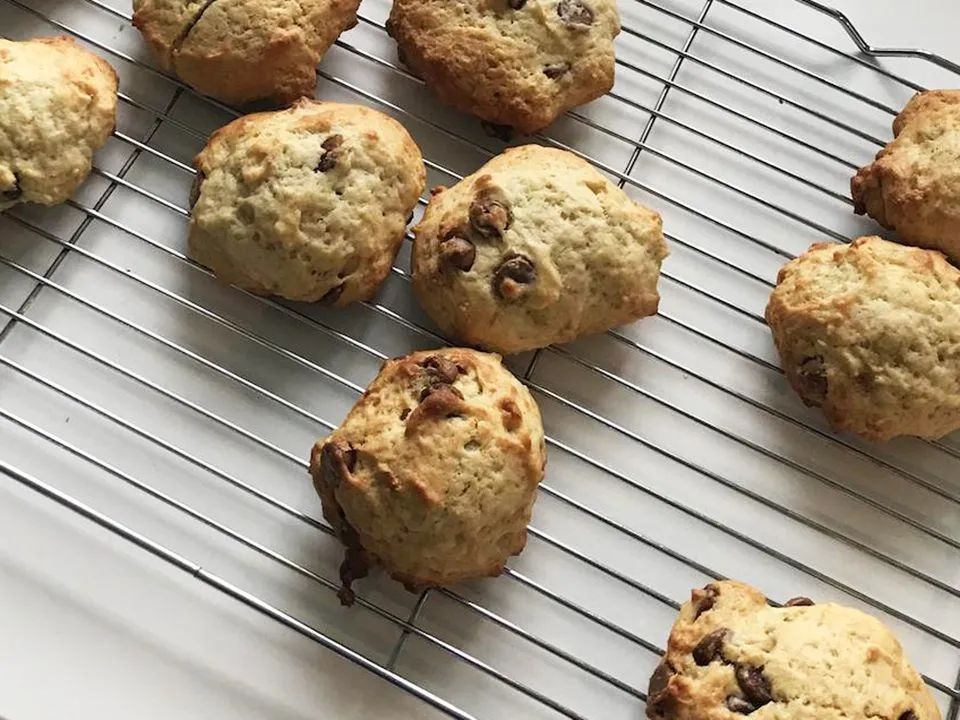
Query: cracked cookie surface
(730, 655)
(870, 333)
(535, 248)
(309, 203)
(241, 51)
(58, 105)
(516, 63)
(434, 472)
(913, 186)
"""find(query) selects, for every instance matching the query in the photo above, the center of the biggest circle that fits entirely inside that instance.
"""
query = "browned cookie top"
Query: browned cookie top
(913, 186)
(518, 63)
(434, 472)
(241, 51)
(870, 333)
(58, 105)
(308, 203)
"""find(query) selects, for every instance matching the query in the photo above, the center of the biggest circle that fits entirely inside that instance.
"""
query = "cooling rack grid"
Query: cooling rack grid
(141, 401)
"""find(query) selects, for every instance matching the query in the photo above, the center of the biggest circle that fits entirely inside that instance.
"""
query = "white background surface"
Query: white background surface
(92, 627)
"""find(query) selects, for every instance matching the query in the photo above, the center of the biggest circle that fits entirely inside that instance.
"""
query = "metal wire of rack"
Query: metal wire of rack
(744, 143)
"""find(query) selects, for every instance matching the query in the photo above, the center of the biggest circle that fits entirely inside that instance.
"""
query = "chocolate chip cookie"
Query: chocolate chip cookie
(870, 333)
(730, 655)
(535, 248)
(516, 63)
(240, 51)
(58, 105)
(434, 472)
(309, 203)
(913, 186)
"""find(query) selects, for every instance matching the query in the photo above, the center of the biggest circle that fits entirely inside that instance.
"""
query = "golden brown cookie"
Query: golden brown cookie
(519, 63)
(535, 248)
(870, 332)
(309, 203)
(58, 105)
(913, 186)
(240, 51)
(731, 655)
(434, 472)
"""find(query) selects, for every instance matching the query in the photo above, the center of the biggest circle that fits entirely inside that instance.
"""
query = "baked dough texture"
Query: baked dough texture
(58, 105)
(309, 203)
(870, 332)
(434, 472)
(519, 63)
(913, 186)
(535, 248)
(241, 51)
(731, 655)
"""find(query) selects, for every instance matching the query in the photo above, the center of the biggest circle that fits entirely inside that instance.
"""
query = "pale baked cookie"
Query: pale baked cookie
(309, 203)
(58, 105)
(240, 51)
(870, 332)
(519, 63)
(913, 186)
(434, 472)
(535, 248)
(731, 655)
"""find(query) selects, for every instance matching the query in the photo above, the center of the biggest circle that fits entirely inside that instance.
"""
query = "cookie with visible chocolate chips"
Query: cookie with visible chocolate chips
(434, 472)
(870, 333)
(241, 51)
(731, 654)
(309, 203)
(535, 248)
(514, 63)
(58, 106)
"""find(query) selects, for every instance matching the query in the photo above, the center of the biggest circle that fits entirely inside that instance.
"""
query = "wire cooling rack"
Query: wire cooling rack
(177, 414)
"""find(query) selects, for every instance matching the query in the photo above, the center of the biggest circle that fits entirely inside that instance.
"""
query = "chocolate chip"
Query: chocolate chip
(195, 188)
(438, 402)
(908, 715)
(706, 601)
(337, 460)
(739, 705)
(355, 565)
(753, 684)
(498, 131)
(516, 4)
(575, 12)
(441, 374)
(556, 71)
(333, 295)
(799, 602)
(660, 702)
(812, 376)
(661, 676)
(513, 277)
(14, 193)
(333, 147)
(457, 252)
(710, 647)
(441, 370)
(489, 215)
